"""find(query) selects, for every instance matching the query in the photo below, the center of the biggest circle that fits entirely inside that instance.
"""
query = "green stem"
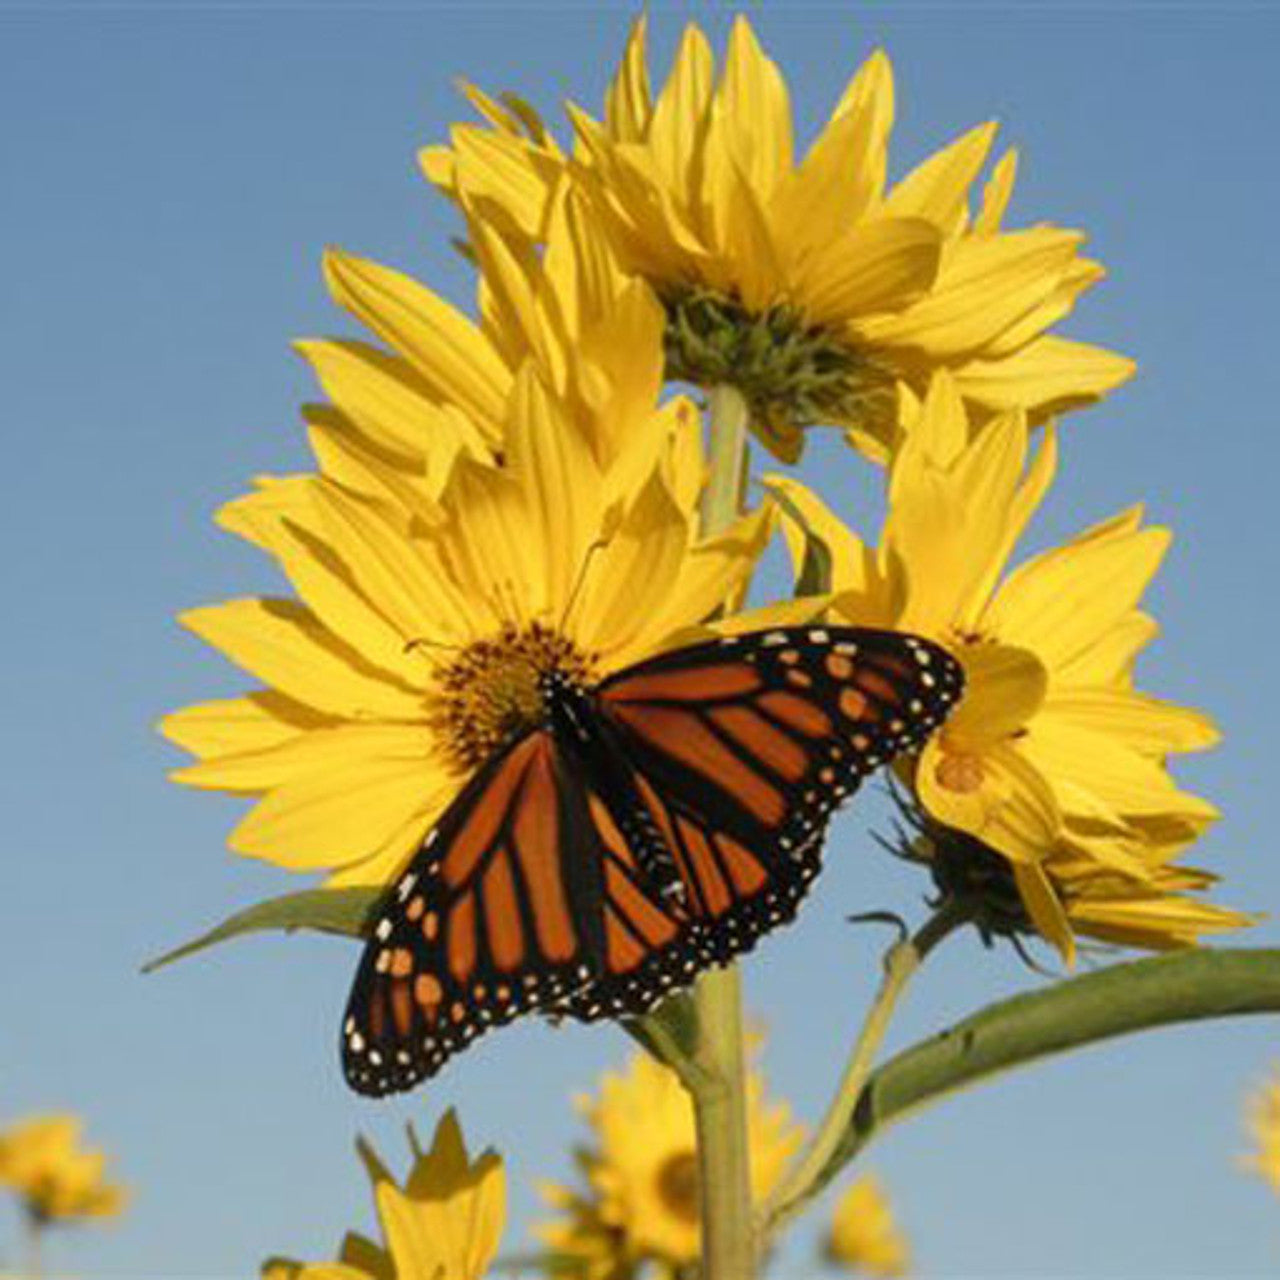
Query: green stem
(1186, 986)
(719, 1091)
(33, 1245)
(900, 964)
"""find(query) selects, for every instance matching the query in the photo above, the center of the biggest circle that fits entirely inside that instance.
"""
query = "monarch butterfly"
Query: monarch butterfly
(647, 827)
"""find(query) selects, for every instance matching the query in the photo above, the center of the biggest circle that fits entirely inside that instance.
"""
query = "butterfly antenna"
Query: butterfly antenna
(598, 545)
(423, 643)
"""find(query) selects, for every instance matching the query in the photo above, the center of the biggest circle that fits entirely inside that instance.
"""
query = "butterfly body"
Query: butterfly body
(579, 725)
(637, 831)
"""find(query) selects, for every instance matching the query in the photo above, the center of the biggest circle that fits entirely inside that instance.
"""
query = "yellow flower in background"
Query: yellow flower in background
(864, 1237)
(422, 625)
(808, 282)
(57, 1179)
(642, 1204)
(1052, 759)
(581, 1245)
(1262, 1120)
(445, 1223)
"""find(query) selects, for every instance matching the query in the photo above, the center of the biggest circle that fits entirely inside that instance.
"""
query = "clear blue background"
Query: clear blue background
(170, 175)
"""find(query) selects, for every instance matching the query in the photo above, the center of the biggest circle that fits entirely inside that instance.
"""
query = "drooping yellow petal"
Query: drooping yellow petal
(1045, 908)
(999, 797)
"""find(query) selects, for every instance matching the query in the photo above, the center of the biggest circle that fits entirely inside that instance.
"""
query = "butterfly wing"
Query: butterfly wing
(765, 733)
(498, 913)
(740, 749)
(527, 895)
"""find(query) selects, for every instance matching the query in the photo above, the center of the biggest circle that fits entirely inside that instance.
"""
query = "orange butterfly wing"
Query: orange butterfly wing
(741, 749)
(498, 913)
(527, 895)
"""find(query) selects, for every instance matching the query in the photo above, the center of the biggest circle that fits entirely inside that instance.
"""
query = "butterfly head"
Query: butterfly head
(502, 686)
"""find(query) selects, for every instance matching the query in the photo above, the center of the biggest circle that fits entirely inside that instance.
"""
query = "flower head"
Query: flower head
(426, 612)
(41, 1159)
(642, 1202)
(1262, 1118)
(444, 1223)
(1053, 759)
(864, 1237)
(808, 282)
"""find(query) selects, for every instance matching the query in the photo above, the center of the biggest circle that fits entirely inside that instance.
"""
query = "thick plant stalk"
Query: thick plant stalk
(720, 1091)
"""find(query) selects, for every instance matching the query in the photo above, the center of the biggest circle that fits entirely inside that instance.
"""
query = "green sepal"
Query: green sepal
(817, 566)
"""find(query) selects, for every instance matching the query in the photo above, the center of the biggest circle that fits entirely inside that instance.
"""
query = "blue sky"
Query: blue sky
(171, 175)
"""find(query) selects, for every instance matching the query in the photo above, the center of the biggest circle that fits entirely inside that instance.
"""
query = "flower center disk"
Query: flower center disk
(678, 1186)
(494, 690)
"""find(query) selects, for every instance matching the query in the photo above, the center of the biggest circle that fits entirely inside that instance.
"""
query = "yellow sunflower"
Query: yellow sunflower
(1052, 759)
(443, 1224)
(1262, 1118)
(422, 625)
(642, 1202)
(864, 1237)
(806, 282)
(57, 1179)
(440, 388)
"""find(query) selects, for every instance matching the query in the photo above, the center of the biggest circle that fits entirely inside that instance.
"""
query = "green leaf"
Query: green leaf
(1188, 986)
(670, 1033)
(814, 578)
(344, 911)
